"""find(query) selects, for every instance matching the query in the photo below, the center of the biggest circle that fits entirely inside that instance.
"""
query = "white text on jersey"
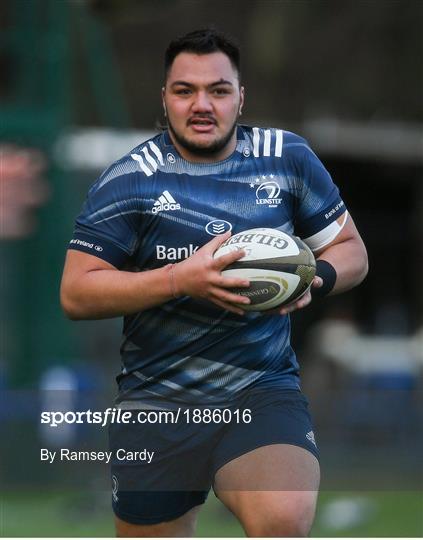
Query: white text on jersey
(165, 203)
(175, 254)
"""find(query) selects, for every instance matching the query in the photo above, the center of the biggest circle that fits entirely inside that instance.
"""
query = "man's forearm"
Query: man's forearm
(93, 289)
(349, 259)
(105, 293)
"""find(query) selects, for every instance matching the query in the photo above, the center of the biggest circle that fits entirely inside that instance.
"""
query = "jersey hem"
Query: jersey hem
(125, 402)
(281, 440)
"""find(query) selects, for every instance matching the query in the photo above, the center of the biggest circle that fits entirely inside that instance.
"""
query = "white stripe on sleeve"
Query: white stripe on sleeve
(326, 235)
(256, 142)
(156, 151)
(266, 147)
(142, 165)
(149, 158)
(279, 142)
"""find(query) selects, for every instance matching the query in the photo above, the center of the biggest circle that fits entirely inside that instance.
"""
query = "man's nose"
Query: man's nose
(202, 103)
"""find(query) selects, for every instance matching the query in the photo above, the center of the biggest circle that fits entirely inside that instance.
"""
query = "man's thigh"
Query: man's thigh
(272, 490)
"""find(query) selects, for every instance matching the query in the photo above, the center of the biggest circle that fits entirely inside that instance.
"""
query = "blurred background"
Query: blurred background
(79, 86)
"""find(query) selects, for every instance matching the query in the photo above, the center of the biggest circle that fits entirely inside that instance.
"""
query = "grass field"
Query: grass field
(371, 514)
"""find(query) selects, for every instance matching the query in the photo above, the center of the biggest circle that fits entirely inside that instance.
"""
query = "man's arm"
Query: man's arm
(94, 289)
(347, 255)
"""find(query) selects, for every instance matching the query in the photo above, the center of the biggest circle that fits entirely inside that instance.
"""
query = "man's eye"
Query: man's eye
(221, 91)
(183, 91)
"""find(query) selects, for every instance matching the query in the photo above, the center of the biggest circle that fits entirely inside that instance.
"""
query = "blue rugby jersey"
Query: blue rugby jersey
(152, 207)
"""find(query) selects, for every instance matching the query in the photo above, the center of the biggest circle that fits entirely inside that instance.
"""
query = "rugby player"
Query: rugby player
(143, 248)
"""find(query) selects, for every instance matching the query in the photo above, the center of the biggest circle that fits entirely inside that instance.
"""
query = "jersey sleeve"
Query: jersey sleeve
(321, 213)
(108, 223)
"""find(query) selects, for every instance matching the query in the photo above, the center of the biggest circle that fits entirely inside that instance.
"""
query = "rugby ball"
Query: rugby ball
(280, 267)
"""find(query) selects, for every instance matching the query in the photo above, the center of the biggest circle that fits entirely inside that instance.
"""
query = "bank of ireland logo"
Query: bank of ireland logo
(267, 191)
(218, 226)
(115, 487)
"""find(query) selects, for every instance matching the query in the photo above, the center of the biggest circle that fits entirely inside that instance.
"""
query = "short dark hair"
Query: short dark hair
(204, 41)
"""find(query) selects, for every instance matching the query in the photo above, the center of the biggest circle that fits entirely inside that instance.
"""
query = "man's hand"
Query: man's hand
(200, 276)
(347, 254)
(302, 302)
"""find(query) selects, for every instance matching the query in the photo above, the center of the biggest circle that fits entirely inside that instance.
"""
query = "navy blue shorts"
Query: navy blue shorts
(152, 488)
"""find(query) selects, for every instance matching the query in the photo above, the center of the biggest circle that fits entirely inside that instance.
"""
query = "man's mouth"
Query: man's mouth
(202, 124)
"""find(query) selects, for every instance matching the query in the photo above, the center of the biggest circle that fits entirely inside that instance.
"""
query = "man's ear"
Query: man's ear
(163, 100)
(241, 99)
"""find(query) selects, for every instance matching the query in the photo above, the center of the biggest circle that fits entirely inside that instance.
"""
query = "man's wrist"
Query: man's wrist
(173, 287)
(328, 275)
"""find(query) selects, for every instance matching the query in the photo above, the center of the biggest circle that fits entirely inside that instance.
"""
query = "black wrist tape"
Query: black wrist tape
(328, 274)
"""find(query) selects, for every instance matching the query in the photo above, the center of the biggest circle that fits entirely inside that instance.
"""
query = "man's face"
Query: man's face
(202, 100)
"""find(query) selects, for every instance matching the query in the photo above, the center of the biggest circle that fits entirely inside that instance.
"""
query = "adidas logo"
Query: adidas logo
(165, 203)
(310, 437)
